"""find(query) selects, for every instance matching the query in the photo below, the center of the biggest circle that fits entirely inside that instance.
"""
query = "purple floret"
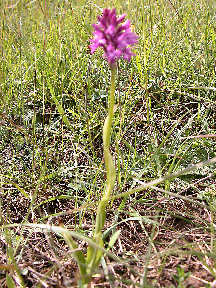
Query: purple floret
(113, 37)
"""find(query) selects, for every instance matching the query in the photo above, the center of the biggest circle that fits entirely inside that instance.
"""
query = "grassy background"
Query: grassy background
(53, 102)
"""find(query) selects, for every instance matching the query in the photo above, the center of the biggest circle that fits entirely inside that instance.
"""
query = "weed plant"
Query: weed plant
(160, 223)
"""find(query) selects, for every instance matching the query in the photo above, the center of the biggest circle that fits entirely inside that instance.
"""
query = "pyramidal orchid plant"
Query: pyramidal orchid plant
(115, 37)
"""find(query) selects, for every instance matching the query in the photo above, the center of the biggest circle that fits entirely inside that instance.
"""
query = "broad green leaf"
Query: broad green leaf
(10, 282)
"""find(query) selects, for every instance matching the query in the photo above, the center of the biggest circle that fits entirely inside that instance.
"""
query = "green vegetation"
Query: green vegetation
(53, 103)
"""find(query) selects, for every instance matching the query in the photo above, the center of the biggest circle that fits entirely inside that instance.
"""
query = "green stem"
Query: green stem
(110, 168)
(108, 121)
(94, 254)
(109, 164)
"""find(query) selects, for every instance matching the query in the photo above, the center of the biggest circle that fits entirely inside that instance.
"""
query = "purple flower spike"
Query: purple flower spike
(113, 37)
